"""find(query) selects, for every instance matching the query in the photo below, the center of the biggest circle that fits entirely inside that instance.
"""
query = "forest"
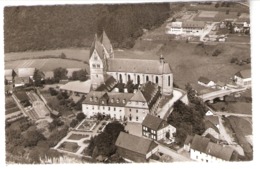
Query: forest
(30, 28)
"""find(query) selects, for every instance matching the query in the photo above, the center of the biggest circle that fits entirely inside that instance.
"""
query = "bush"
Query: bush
(234, 60)
(62, 56)
(74, 123)
(216, 52)
(59, 96)
(80, 116)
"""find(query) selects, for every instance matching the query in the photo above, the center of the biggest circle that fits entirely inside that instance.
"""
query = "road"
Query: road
(164, 111)
(207, 31)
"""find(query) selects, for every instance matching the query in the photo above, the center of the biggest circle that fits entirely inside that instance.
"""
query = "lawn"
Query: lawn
(10, 105)
(45, 64)
(86, 125)
(77, 136)
(69, 146)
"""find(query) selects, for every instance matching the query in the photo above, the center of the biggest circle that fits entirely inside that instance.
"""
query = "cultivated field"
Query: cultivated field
(44, 64)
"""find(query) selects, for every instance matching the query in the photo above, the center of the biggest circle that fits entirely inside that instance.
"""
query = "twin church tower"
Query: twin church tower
(103, 63)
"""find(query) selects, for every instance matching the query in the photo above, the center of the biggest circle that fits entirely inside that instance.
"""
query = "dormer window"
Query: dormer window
(96, 99)
(143, 103)
(91, 99)
(103, 102)
(124, 101)
(112, 100)
(117, 100)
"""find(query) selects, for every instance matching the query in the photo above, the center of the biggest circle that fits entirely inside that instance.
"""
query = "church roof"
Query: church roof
(138, 66)
(105, 41)
(97, 46)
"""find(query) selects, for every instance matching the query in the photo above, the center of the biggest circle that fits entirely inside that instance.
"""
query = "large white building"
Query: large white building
(195, 28)
(243, 78)
(102, 62)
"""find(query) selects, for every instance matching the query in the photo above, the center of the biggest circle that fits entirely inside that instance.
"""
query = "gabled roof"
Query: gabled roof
(188, 139)
(154, 122)
(219, 151)
(77, 86)
(138, 96)
(199, 143)
(25, 72)
(149, 89)
(209, 124)
(134, 143)
(138, 66)
(203, 80)
(244, 73)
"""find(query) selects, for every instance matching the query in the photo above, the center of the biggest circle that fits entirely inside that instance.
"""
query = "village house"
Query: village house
(24, 76)
(203, 150)
(134, 148)
(205, 82)
(243, 78)
(157, 129)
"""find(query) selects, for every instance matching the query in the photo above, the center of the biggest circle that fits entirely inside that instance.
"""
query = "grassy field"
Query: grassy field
(77, 136)
(45, 64)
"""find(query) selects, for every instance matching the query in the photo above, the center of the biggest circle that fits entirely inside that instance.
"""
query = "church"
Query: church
(102, 63)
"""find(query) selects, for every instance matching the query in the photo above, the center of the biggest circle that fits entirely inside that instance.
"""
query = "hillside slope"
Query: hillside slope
(52, 27)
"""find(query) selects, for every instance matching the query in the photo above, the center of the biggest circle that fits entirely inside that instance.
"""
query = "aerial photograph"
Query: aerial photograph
(151, 82)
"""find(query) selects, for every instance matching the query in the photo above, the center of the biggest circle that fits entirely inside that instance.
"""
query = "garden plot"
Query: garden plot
(87, 125)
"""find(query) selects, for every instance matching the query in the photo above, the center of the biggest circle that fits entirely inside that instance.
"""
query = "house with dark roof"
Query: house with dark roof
(204, 81)
(203, 150)
(134, 148)
(156, 128)
(102, 62)
(243, 78)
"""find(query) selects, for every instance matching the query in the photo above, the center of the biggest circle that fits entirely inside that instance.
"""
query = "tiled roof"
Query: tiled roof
(153, 122)
(213, 119)
(188, 139)
(200, 143)
(138, 66)
(209, 124)
(219, 151)
(134, 143)
(110, 98)
(244, 73)
(25, 72)
(138, 96)
(77, 86)
(150, 92)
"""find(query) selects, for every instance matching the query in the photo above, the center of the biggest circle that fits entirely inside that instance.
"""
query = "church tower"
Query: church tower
(97, 63)
(108, 49)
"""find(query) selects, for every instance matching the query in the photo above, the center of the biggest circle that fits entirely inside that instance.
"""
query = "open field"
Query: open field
(44, 64)
(215, 16)
(77, 53)
(10, 106)
(234, 7)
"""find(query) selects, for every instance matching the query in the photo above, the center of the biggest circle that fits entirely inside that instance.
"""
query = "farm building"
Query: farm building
(203, 150)
(135, 148)
(195, 28)
(243, 78)
(205, 82)
(77, 87)
(157, 128)
(24, 76)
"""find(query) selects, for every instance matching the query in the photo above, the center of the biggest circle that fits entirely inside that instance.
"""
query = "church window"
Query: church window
(120, 78)
(98, 65)
(130, 110)
(114, 109)
(138, 79)
(136, 118)
(123, 100)
(169, 80)
(156, 80)
(147, 78)
(136, 111)
(129, 78)
(96, 75)
(94, 65)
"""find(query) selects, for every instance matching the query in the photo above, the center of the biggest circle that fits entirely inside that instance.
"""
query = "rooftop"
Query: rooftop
(77, 86)
(154, 122)
(219, 151)
(244, 73)
(200, 143)
(135, 143)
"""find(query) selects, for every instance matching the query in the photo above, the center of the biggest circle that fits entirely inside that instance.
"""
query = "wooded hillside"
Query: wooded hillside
(52, 27)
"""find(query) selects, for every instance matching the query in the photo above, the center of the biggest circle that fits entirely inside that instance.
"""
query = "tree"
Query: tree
(74, 123)
(79, 75)
(62, 56)
(217, 5)
(37, 77)
(32, 137)
(59, 74)
(80, 116)
(114, 129)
